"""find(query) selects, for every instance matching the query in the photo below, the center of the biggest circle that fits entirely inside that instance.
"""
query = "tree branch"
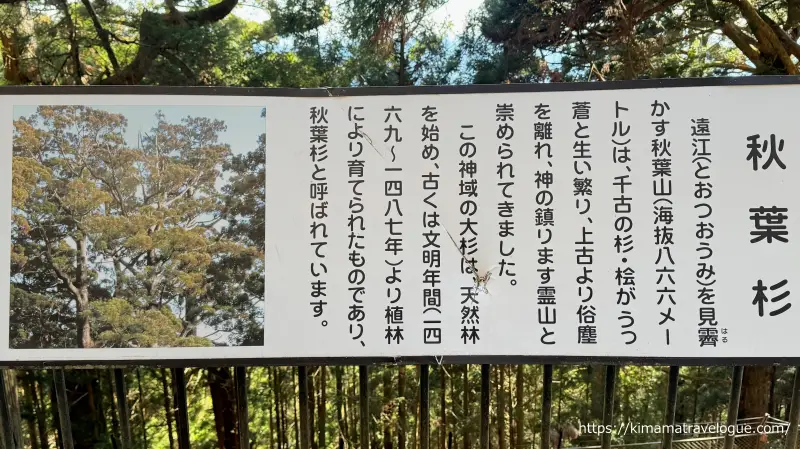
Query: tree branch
(58, 271)
(102, 33)
(731, 66)
(74, 49)
(185, 69)
(765, 35)
(156, 33)
(793, 18)
(119, 39)
(786, 39)
(657, 9)
(741, 40)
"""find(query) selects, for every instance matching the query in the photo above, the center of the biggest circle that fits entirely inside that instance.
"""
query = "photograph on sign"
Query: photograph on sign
(137, 226)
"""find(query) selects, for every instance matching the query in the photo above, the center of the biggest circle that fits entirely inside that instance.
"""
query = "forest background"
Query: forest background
(313, 43)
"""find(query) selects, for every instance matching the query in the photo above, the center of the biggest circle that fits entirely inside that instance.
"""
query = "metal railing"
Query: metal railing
(781, 435)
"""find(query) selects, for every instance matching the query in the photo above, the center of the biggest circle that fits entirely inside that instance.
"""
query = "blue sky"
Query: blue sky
(453, 11)
(244, 123)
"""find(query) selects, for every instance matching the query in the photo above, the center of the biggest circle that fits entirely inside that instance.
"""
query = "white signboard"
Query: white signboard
(622, 223)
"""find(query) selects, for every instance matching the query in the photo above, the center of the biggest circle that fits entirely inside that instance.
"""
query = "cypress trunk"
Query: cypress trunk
(223, 402)
(167, 407)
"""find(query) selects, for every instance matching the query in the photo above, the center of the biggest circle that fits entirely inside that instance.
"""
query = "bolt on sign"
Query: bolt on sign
(603, 221)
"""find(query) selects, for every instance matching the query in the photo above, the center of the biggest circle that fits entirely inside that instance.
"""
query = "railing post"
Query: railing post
(424, 407)
(672, 400)
(62, 403)
(242, 414)
(608, 404)
(122, 408)
(305, 430)
(547, 404)
(182, 417)
(486, 395)
(363, 402)
(733, 405)
(794, 411)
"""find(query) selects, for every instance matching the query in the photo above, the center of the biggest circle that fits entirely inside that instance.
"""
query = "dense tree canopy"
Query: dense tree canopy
(309, 43)
(127, 236)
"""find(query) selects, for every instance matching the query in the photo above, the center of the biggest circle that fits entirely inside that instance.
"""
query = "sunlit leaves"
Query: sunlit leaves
(119, 324)
(151, 214)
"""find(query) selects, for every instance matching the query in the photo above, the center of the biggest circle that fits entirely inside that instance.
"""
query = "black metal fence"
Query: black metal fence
(12, 438)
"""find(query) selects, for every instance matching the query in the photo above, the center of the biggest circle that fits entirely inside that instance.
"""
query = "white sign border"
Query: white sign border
(212, 96)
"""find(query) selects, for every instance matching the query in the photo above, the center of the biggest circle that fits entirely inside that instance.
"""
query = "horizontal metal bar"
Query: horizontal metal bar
(409, 360)
(404, 90)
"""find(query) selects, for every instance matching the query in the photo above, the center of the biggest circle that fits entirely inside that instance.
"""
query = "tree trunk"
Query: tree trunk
(771, 403)
(465, 410)
(311, 408)
(501, 408)
(272, 425)
(41, 411)
(30, 410)
(597, 379)
(355, 434)
(82, 412)
(82, 298)
(443, 409)
(167, 408)
(54, 408)
(141, 408)
(72, 38)
(283, 408)
(519, 408)
(388, 405)
(17, 50)
(341, 415)
(121, 388)
(374, 410)
(755, 391)
(294, 405)
(176, 406)
(414, 405)
(754, 397)
(220, 384)
(101, 406)
(560, 392)
(12, 399)
(321, 406)
(402, 71)
(512, 410)
(92, 397)
(305, 411)
(277, 398)
(695, 394)
(401, 393)
(115, 429)
(512, 435)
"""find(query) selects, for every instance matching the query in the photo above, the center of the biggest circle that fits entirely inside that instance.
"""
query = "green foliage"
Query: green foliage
(119, 325)
(136, 224)
(640, 398)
